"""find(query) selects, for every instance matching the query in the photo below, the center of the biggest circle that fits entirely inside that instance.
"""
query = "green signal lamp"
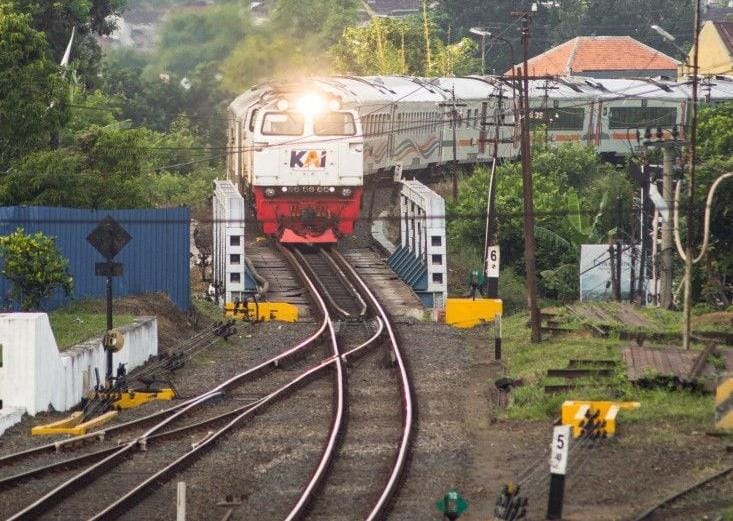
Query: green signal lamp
(452, 505)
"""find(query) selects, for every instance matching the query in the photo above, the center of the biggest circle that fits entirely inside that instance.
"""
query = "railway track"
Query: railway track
(665, 509)
(120, 476)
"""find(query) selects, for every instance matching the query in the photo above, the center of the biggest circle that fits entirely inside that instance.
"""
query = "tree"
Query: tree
(390, 46)
(35, 268)
(33, 96)
(322, 20)
(55, 19)
(188, 40)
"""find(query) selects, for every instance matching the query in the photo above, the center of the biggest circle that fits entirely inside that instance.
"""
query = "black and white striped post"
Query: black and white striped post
(558, 465)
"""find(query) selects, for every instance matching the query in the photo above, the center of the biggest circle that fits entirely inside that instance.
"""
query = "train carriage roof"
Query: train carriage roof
(473, 87)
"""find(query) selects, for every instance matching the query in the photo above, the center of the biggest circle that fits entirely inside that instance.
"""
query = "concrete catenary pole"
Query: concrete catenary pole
(687, 308)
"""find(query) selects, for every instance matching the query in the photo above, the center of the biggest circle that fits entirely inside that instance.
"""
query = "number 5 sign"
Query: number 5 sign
(560, 445)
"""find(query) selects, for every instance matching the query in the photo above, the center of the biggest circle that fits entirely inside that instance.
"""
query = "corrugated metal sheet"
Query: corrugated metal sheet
(155, 260)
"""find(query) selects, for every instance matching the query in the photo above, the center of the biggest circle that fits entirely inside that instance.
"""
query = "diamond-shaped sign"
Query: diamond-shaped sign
(109, 237)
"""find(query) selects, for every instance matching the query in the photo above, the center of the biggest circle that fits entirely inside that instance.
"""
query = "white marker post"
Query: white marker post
(558, 465)
(181, 501)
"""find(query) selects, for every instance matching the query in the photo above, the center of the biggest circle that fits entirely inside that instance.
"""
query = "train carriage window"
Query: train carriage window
(282, 124)
(641, 117)
(561, 118)
(399, 122)
(334, 124)
(252, 118)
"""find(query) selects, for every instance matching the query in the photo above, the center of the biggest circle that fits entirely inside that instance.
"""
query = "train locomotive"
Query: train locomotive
(300, 151)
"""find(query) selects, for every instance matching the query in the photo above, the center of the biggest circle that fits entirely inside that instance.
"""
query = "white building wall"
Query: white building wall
(37, 376)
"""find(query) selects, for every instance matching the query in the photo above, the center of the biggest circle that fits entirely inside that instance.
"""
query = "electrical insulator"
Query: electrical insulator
(660, 134)
(647, 133)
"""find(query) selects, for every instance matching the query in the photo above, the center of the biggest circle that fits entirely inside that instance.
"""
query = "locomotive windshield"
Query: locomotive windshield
(282, 124)
(334, 124)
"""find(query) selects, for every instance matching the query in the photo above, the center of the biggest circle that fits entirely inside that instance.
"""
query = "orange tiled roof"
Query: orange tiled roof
(599, 53)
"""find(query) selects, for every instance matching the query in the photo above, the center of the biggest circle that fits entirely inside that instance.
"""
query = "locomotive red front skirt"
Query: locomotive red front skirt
(307, 214)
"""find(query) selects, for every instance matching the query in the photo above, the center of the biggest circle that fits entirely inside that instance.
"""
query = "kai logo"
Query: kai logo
(308, 159)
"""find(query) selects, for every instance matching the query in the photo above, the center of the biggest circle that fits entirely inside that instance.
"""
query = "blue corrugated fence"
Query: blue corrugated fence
(155, 260)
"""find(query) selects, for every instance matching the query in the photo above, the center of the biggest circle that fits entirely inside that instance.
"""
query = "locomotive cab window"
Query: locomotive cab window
(334, 124)
(282, 124)
(252, 118)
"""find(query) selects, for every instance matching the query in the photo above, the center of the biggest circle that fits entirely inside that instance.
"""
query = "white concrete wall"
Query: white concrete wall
(229, 213)
(422, 228)
(36, 376)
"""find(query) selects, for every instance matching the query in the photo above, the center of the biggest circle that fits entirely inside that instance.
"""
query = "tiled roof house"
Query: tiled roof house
(603, 57)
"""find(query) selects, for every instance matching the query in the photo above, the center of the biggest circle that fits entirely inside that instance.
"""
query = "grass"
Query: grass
(531, 361)
(82, 320)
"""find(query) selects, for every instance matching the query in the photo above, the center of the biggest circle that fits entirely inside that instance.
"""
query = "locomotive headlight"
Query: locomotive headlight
(269, 192)
(284, 188)
(282, 105)
(346, 192)
(332, 189)
(311, 104)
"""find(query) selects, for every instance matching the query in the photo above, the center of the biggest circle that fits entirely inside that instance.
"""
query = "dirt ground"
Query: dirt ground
(611, 480)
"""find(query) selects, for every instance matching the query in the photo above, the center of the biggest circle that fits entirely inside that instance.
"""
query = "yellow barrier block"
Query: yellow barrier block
(72, 426)
(724, 404)
(282, 311)
(574, 413)
(130, 399)
(466, 312)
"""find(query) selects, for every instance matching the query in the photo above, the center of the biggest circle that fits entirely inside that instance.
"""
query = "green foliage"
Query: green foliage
(34, 267)
(715, 130)
(113, 167)
(82, 320)
(190, 39)
(572, 187)
(55, 20)
(397, 46)
(33, 96)
(291, 44)
(323, 20)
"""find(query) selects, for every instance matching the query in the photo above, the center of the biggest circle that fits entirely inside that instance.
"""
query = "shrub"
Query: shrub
(34, 266)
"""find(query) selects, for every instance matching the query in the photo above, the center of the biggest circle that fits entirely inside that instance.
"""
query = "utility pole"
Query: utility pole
(545, 108)
(667, 237)
(527, 191)
(492, 283)
(687, 306)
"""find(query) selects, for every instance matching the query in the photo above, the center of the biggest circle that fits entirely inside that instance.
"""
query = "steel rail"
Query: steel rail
(647, 513)
(9, 481)
(66, 488)
(116, 508)
(345, 280)
(324, 288)
(146, 486)
(338, 416)
(99, 434)
(392, 483)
